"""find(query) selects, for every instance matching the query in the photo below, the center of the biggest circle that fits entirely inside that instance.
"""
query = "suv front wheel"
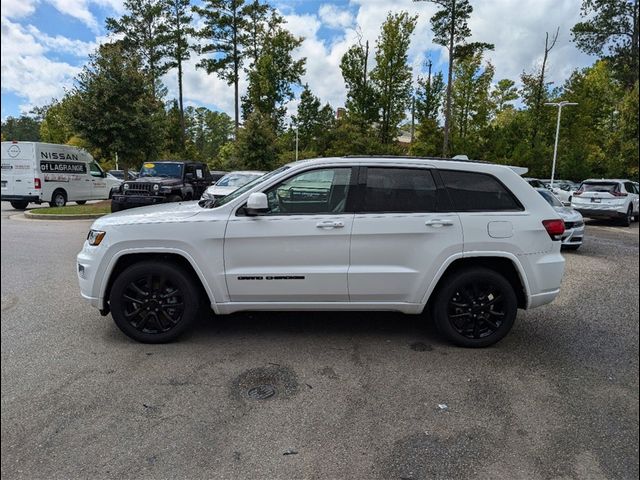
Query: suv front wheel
(154, 302)
(475, 307)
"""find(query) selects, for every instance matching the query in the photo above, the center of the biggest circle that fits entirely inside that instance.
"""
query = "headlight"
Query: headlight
(126, 186)
(156, 187)
(95, 237)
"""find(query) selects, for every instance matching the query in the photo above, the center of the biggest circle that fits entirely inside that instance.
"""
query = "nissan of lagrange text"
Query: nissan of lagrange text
(463, 243)
(35, 172)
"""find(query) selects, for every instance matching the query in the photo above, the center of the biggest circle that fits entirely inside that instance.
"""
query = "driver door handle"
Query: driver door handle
(439, 222)
(330, 224)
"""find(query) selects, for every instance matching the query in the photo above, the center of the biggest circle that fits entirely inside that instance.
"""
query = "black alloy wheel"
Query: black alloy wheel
(475, 308)
(154, 302)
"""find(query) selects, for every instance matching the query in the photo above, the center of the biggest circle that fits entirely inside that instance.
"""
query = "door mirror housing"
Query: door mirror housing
(257, 204)
(189, 177)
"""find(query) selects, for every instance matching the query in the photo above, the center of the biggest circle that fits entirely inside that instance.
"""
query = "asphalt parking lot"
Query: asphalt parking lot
(357, 396)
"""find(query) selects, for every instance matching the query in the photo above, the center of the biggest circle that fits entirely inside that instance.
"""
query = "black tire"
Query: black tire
(81, 202)
(58, 199)
(141, 301)
(19, 204)
(174, 198)
(571, 247)
(628, 218)
(475, 307)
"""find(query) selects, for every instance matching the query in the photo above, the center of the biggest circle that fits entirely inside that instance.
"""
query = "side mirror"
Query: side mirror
(257, 204)
(189, 176)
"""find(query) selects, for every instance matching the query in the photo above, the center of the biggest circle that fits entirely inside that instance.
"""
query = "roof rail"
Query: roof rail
(412, 157)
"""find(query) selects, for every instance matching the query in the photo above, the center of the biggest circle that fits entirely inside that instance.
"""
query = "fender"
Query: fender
(176, 251)
(447, 263)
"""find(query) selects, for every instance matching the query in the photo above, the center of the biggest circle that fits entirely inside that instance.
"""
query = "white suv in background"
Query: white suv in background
(607, 199)
(467, 243)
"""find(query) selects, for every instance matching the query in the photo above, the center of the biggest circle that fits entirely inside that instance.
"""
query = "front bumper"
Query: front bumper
(132, 201)
(87, 263)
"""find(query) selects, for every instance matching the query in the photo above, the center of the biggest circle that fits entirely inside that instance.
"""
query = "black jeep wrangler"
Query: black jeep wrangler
(160, 182)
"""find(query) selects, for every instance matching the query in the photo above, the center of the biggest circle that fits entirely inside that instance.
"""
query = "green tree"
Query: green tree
(179, 29)
(233, 32)
(208, 131)
(362, 101)
(429, 97)
(271, 81)
(451, 30)
(471, 106)
(57, 124)
(503, 93)
(610, 30)
(314, 122)
(24, 128)
(145, 34)
(261, 19)
(116, 109)
(256, 143)
(392, 74)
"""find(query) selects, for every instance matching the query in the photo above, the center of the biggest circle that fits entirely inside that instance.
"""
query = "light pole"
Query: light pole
(296, 143)
(555, 147)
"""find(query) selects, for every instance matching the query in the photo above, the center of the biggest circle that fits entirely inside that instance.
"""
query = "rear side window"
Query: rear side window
(603, 187)
(478, 192)
(399, 190)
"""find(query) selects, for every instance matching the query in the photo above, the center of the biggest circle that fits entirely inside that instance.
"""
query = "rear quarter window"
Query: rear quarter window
(478, 192)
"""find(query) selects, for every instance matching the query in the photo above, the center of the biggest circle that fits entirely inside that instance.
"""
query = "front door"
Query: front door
(399, 239)
(299, 251)
(99, 186)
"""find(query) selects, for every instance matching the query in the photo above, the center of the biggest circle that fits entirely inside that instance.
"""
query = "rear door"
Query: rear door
(299, 251)
(18, 169)
(400, 238)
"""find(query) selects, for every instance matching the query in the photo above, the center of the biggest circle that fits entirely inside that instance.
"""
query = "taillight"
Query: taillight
(555, 228)
(578, 192)
(619, 194)
(36, 183)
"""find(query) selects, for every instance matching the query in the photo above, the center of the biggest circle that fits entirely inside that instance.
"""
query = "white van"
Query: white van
(46, 172)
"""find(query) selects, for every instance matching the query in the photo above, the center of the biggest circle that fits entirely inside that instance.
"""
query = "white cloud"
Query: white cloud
(335, 17)
(17, 8)
(27, 72)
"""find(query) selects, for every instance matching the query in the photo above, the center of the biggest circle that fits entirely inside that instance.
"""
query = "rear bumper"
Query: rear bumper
(573, 236)
(21, 198)
(132, 201)
(613, 211)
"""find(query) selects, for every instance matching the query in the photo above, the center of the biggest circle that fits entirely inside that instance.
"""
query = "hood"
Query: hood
(568, 214)
(160, 180)
(161, 213)
(216, 190)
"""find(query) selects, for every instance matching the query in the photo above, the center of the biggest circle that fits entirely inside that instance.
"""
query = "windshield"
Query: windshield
(237, 179)
(241, 190)
(599, 187)
(550, 198)
(161, 170)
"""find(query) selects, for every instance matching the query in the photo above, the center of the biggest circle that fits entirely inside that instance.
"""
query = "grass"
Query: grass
(103, 208)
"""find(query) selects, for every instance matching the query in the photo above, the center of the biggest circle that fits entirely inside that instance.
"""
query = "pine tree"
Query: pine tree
(392, 74)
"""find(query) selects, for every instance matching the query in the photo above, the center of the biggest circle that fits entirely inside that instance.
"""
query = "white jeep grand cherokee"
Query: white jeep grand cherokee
(467, 243)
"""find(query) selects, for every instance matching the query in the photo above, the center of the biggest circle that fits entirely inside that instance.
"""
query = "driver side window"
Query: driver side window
(311, 192)
(95, 170)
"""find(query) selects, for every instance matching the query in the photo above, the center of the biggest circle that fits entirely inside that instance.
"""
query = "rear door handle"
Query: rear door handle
(439, 222)
(330, 224)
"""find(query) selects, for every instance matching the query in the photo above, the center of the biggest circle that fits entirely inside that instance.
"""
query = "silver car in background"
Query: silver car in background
(573, 221)
(230, 183)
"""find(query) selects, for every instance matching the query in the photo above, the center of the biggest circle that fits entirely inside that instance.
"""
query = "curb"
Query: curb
(77, 216)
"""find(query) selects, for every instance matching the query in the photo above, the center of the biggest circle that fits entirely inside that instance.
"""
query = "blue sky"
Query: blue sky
(46, 42)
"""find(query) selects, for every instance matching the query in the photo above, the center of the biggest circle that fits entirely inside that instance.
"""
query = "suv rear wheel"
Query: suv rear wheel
(475, 307)
(154, 302)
